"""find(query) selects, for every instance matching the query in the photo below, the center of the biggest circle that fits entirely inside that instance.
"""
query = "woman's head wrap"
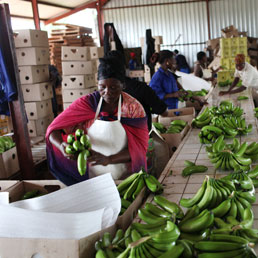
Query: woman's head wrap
(111, 66)
(240, 59)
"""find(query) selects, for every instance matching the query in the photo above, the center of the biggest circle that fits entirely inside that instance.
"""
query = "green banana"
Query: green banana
(195, 237)
(194, 169)
(125, 183)
(175, 252)
(214, 246)
(119, 235)
(157, 211)
(153, 184)
(206, 199)
(222, 209)
(148, 217)
(140, 186)
(188, 163)
(101, 254)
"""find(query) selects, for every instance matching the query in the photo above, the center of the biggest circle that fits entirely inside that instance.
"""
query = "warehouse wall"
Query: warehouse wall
(189, 20)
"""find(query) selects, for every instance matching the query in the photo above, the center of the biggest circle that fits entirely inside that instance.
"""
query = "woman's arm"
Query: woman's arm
(97, 158)
(233, 85)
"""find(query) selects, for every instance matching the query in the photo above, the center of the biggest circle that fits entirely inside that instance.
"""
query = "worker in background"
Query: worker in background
(249, 76)
(132, 62)
(164, 81)
(181, 62)
(201, 67)
(115, 123)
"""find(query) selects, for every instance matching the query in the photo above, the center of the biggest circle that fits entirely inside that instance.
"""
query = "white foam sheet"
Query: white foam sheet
(70, 213)
(192, 82)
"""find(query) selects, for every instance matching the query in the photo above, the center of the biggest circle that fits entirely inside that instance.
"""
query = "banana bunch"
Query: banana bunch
(167, 210)
(226, 108)
(229, 157)
(252, 151)
(159, 127)
(256, 112)
(253, 174)
(6, 143)
(203, 119)
(225, 83)
(238, 124)
(209, 134)
(191, 168)
(133, 185)
(224, 246)
(248, 233)
(190, 94)
(176, 126)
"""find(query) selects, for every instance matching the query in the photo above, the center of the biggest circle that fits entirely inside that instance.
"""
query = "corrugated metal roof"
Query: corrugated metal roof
(189, 20)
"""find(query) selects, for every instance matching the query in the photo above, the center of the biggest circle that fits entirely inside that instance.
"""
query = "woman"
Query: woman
(249, 76)
(164, 81)
(182, 64)
(201, 67)
(115, 123)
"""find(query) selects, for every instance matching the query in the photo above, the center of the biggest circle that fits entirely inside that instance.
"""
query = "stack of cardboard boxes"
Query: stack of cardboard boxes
(230, 47)
(79, 65)
(33, 59)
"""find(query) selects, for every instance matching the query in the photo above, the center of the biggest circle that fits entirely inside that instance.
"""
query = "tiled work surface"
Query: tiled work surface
(176, 186)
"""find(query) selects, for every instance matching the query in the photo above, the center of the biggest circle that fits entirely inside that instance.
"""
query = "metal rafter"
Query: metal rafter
(51, 4)
(35, 11)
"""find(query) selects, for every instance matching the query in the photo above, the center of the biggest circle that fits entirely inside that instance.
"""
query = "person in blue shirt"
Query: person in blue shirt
(182, 64)
(164, 81)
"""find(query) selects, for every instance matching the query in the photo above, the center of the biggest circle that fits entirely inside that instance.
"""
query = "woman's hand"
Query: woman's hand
(97, 158)
(62, 147)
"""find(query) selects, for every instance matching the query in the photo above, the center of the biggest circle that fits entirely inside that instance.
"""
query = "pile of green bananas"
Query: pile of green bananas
(79, 146)
(190, 94)
(203, 119)
(252, 151)
(229, 156)
(226, 108)
(209, 134)
(160, 127)
(176, 126)
(191, 168)
(224, 246)
(256, 112)
(242, 98)
(133, 185)
(6, 143)
(225, 83)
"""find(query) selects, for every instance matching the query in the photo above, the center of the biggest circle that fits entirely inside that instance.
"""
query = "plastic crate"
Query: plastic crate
(225, 43)
(234, 42)
(225, 52)
(223, 76)
(225, 62)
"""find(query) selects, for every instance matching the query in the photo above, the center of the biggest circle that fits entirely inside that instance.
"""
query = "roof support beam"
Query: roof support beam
(24, 17)
(35, 10)
(75, 10)
(100, 22)
(51, 4)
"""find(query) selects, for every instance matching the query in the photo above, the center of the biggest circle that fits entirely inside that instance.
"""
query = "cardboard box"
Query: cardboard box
(243, 41)
(96, 52)
(223, 76)
(77, 67)
(37, 92)
(158, 40)
(136, 74)
(226, 52)
(30, 38)
(95, 66)
(185, 114)
(225, 62)
(225, 42)
(33, 74)
(75, 53)
(213, 43)
(39, 127)
(229, 32)
(78, 81)
(157, 48)
(242, 50)
(40, 109)
(6, 184)
(66, 105)
(125, 220)
(71, 95)
(32, 56)
(234, 51)
(174, 139)
(17, 191)
(147, 77)
(9, 163)
(52, 248)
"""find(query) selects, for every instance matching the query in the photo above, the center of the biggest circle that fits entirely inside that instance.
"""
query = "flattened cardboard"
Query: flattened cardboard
(31, 38)
(33, 74)
(9, 163)
(32, 56)
(75, 53)
(37, 92)
(78, 81)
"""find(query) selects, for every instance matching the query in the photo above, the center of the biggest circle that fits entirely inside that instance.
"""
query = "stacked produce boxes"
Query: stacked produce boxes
(230, 47)
(33, 59)
(79, 65)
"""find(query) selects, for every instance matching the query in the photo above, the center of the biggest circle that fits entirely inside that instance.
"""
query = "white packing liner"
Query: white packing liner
(192, 82)
(70, 213)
